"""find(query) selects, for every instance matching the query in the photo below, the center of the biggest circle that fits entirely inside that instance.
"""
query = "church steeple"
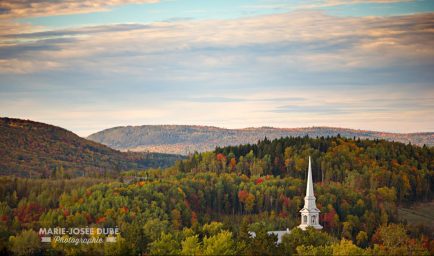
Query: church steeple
(309, 188)
(309, 213)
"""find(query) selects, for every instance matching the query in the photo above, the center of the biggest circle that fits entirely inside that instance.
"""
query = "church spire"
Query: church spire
(309, 188)
(309, 213)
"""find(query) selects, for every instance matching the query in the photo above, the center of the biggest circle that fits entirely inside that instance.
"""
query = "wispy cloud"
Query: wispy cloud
(252, 99)
(81, 31)
(31, 8)
(288, 6)
(391, 106)
(341, 2)
(325, 43)
(332, 3)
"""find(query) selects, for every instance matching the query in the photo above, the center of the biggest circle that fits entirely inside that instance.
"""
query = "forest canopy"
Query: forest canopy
(206, 204)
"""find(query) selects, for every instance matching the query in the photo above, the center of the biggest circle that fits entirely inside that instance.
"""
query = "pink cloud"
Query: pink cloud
(32, 8)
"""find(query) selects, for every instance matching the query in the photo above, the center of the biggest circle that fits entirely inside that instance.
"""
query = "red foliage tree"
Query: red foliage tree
(29, 212)
(101, 219)
(220, 156)
(242, 195)
(329, 219)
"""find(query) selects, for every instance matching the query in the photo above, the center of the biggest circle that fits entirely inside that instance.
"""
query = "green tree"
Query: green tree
(262, 243)
(26, 243)
(191, 246)
(345, 248)
(362, 239)
(308, 237)
(393, 235)
(220, 244)
(249, 202)
(394, 240)
(347, 229)
(212, 228)
(314, 250)
(176, 219)
(166, 245)
(120, 247)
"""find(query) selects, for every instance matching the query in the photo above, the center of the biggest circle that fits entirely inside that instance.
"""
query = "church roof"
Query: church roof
(313, 210)
(278, 233)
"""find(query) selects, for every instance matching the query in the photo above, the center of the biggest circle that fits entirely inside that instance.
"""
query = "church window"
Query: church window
(313, 219)
(304, 219)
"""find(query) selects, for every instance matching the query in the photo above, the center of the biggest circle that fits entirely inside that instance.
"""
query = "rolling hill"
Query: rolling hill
(33, 149)
(184, 139)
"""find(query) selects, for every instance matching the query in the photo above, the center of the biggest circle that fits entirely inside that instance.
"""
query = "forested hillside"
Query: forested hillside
(33, 149)
(206, 204)
(359, 163)
(185, 139)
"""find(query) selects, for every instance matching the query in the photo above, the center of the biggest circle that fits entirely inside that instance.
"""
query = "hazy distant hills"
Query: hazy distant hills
(33, 149)
(183, 139)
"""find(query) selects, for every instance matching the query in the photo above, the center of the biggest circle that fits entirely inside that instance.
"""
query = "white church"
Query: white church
(309, 213)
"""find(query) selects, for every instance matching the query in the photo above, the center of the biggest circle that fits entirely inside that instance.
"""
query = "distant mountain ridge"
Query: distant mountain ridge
(33, 149)
(184, 139)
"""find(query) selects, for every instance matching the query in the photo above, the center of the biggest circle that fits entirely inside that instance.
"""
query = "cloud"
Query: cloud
(342, 2)
(220, 99)
(293, 69)
(81, 31)
(311, 41)
(10, 9)
(313, 5)
(332, 3)
(392, 105)
(318, 109)
(22, 67)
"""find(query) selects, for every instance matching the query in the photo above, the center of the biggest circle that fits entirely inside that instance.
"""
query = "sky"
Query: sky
(88, 65)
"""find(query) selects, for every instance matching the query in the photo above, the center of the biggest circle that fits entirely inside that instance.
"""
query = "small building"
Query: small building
(279, 234)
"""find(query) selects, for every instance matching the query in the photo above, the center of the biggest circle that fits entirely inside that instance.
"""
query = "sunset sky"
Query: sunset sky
(90, 65)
